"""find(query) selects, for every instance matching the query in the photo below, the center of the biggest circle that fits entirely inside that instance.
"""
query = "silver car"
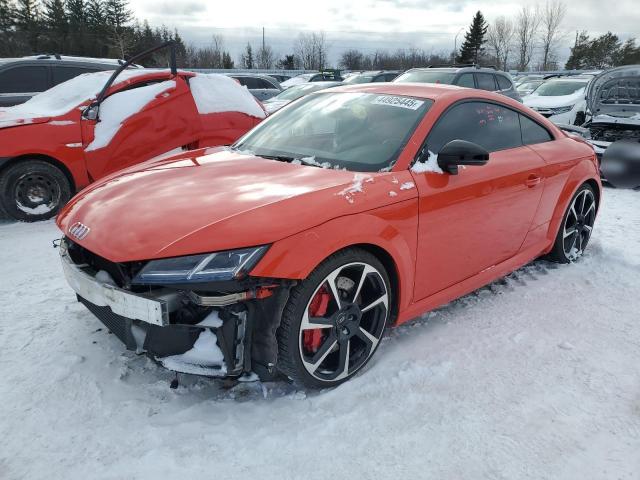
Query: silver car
(262, 87)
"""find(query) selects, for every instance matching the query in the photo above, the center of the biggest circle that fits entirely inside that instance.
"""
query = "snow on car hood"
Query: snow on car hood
(62, 98)
(222, 200)
(615, 91)
(538, 101)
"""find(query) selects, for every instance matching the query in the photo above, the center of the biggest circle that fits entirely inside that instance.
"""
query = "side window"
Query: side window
(503, 82)
(466, 80)
(62, 73)
(380, 78)
(25, 79)
(486, 81)
(243, 81)
(490, 125)
(264, 83)
(532, 132)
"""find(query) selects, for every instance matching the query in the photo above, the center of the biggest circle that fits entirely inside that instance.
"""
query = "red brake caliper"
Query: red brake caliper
(312, 339)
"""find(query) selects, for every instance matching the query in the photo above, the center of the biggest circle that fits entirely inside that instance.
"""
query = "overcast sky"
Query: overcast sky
(364, 24)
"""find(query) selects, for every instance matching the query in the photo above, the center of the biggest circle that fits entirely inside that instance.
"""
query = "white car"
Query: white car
(561, 100)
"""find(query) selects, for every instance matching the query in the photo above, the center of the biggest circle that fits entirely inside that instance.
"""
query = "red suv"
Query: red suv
(95, 124)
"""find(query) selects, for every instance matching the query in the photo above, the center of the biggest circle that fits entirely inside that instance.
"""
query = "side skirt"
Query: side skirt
(473, 283)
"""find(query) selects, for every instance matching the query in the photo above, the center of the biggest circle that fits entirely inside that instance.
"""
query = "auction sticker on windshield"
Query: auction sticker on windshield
(395, 101)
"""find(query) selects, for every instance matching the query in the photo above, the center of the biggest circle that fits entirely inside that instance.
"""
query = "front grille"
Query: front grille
(117, 324)
(121, 273)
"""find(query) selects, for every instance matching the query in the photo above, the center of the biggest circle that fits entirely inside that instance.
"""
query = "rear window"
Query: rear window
(425, 76)
(25, 79)
(486, 81)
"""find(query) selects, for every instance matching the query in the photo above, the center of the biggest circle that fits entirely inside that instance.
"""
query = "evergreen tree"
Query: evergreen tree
(579, 51)
(28, 21)
(117, 18)
(226, 60)
(7, 16)
(96, 29)
(77, 20)
(55, 22)
(247, 57)
(472, 48)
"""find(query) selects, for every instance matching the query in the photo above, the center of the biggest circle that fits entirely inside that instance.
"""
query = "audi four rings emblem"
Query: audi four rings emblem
(79, 230)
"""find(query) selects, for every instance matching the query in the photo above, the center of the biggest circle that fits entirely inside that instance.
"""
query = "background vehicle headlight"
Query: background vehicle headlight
(559, 110)
(207, 267)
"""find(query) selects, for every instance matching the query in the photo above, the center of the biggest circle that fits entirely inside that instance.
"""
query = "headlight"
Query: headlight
(559, 110)
(208, 267)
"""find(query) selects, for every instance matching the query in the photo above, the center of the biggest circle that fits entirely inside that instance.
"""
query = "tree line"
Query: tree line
(107, 28)
(531, 40)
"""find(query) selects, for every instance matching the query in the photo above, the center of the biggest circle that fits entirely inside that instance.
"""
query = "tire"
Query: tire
(33, 190)
(350, 335)
(576, 227)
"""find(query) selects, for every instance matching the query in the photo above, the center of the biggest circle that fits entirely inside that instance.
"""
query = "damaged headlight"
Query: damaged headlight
(208, 267)
(559, 110)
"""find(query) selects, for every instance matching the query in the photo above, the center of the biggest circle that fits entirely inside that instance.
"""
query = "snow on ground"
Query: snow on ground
(535, 376)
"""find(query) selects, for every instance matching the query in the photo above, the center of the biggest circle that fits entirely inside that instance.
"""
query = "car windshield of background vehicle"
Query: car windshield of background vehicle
(356, 131)
(555, 89)
(421, 76)
(298, 91)
(358, 79)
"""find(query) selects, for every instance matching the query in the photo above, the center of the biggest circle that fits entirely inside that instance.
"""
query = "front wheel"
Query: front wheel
(334, 320)
(577, 225)
(33, 190)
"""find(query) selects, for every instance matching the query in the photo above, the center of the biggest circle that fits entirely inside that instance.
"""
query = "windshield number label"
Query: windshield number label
(402, 102)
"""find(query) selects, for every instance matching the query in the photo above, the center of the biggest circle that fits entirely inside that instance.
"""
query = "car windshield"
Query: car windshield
(298, 91)
(528, 86)
(558, 88)
(357, 131)
(422, 76)
(359, 79)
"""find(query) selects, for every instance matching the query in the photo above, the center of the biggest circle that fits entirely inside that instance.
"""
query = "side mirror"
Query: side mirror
(461, 152)
(91, 112)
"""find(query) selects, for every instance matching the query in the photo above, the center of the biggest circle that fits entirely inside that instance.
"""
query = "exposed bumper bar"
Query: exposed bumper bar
(139, 307)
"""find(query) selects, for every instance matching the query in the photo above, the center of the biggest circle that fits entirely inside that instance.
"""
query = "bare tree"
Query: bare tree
(265, 58)
(500, 38)
(552, 16)
(311, 50)
(527, 24)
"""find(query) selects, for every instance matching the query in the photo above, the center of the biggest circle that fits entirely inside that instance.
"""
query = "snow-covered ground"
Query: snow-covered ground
(536, 376)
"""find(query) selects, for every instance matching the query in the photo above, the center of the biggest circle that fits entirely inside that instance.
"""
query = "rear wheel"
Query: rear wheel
(577, 225)
(33, 190)
(334, 320)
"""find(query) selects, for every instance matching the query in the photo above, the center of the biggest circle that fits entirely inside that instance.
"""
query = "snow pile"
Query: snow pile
(64, 97)
(120, 106)
(407, 186)
(431, 165)
(356, 187)
(219, 93)
(205, 358)
(532, 377)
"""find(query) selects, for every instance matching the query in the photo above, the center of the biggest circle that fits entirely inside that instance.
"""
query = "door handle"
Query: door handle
(532, 180)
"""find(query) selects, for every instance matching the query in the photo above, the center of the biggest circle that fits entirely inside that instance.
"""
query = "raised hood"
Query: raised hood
(223, 200)
(615, 92)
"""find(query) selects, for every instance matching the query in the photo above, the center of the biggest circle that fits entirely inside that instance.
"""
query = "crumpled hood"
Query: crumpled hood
(615, 91)
(223, 200)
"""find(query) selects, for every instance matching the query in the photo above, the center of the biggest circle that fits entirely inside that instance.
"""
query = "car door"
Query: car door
(480, 217)
(164, 118)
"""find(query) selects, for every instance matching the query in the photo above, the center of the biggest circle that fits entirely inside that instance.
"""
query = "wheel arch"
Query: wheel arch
(394, 244)
(44, 158)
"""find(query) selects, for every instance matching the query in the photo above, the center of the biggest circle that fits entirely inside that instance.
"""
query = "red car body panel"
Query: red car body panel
(169, 121)
(443, 235)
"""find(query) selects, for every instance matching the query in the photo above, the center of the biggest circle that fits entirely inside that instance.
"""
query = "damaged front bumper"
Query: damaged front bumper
(230, 334)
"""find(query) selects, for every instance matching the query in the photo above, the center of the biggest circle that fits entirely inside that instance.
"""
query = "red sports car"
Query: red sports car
(63, 139)
(345, 212)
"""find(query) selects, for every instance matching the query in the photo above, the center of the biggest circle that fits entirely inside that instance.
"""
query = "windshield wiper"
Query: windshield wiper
(280, 158)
